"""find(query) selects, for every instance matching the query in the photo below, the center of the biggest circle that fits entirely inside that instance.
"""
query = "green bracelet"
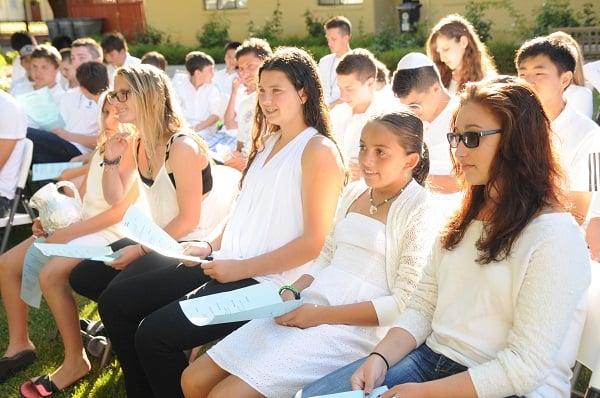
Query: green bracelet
(290, 289)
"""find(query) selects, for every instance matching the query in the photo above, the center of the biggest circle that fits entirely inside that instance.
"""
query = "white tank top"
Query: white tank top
(268, 213)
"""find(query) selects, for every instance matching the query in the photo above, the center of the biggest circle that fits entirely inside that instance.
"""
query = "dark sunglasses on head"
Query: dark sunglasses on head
(120, 96)
(469, 138)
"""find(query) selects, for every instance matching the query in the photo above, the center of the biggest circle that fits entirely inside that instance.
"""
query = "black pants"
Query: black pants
(50, 148)
(125, 298)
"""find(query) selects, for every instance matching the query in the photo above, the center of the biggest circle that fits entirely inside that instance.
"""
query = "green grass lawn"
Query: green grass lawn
(104, 383)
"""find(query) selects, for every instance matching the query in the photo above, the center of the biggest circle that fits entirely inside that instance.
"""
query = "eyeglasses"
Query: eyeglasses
(469, 138)
(120, 96)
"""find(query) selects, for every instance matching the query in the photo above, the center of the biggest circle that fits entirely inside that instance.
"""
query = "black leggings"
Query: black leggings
(126, 297)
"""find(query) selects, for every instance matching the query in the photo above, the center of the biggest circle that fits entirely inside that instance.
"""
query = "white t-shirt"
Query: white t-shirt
(222, 79)
(576, 137)
(21, 86)
(327, 66)
(81, 115)
(13, 126)
(197, 104)
(348, 126)
(440, 161)
(56, 92)
(244, 116)
(580, 98)
(591, 72)
(129, 60)
(18, 72)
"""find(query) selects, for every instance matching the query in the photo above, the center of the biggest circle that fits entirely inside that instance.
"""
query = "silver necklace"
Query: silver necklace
(374, 207)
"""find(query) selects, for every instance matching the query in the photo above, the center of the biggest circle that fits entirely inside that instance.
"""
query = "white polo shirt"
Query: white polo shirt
(81, 115)
(434, 133)
(197, 104)
(223, 80)
(244, 117)
(56, 93)
(327, 66)
(348, 126)
(580, 98)
(129, 61)
(13, 126)
(576, 137)
(21, 86)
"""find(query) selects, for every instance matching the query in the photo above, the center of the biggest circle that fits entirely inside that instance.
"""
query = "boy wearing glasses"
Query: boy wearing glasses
(79, 108)
(417, 84)
(549, 66)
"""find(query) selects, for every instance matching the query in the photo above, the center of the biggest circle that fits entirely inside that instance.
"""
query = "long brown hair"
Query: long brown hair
(301, 70)
(525, 174)
(476, 62)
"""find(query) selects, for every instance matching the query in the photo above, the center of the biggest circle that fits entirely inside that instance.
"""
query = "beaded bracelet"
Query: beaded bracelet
(387, 364)
(290, 288)
(114, 162)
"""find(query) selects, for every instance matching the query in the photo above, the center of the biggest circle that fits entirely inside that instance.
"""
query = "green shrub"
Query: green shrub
(314, 25)
(474, 13)
(271, 29)
(504, 55)
(587, 16)
(554, 14)
(214, 33)
(152, 36)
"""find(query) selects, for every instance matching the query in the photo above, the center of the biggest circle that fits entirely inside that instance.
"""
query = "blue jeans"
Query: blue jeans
(419, 366)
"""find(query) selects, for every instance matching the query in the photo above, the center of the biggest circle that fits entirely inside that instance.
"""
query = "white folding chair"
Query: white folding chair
(589, 348)
(13, 217)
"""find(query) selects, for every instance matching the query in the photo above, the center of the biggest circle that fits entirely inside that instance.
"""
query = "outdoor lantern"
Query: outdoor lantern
(409, 12)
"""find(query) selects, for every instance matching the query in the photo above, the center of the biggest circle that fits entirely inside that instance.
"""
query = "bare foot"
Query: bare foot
(69, 373)
(15, 348)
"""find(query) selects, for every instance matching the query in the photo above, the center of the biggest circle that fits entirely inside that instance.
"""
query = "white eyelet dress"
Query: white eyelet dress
(278, 360)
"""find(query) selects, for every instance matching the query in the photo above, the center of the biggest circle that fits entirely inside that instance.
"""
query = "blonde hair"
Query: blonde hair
(158, 116)
(569, 41)
(476, 63)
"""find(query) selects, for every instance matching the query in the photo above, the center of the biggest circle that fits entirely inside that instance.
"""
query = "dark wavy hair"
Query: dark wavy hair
(525, 173)
(476, 63)
(408, 128)
(301, 70)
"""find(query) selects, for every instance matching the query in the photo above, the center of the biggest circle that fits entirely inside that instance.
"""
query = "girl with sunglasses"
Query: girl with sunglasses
(501, 305)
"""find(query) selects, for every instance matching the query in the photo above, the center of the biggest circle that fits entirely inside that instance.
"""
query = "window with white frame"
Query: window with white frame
(225, 4)
(339, 2)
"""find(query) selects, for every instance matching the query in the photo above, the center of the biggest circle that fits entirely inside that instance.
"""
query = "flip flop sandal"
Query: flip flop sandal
(40, 387)
(98, 347)
(11, 365)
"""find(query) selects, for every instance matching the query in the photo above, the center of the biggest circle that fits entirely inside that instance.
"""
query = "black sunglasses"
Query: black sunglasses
(469, 138)
(120, 96)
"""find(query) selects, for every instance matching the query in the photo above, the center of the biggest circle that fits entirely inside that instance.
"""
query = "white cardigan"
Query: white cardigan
(409, 232)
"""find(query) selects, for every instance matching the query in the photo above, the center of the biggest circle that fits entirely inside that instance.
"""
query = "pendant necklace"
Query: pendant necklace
(374, 207)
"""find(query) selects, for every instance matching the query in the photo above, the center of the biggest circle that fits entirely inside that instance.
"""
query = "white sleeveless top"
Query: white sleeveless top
(268, 213)
(161, 198)
(93, 200)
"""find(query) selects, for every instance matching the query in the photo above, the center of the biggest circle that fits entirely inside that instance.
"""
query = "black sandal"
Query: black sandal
(11, 365)
(40, 387)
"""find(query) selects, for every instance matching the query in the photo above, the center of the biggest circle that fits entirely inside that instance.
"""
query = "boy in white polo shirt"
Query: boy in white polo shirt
(338, 31)
(418, 85)
(200, 100)
(13, 126)
(224, 77)
(356, 74)
(549, 67)
(80, 111)
(116, 53)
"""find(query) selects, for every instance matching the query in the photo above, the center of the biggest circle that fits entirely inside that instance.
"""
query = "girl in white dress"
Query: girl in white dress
(498, 311)
(368, 269)
(97, 228)
(285, 209)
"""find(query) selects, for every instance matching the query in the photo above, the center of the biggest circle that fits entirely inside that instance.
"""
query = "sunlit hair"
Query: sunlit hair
(408, 128)
(102, 136)
(567, 39)
(158, 116)
(525, 176)
(476, 62)
(302, 71)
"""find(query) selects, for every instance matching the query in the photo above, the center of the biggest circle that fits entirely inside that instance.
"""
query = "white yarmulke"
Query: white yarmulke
(413, 61)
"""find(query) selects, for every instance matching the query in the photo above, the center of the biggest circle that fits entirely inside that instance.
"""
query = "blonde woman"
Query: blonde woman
(98, 228)
(175, 172)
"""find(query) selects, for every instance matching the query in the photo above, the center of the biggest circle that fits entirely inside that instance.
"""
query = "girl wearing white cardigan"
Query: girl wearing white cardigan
(367, 270)
(498, 310)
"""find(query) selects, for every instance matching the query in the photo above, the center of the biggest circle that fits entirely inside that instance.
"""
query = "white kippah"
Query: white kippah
(413, 61)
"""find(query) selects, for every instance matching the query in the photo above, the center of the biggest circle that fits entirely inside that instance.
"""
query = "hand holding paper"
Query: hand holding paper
(376, 393)
(138, 227)
(253, 302)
